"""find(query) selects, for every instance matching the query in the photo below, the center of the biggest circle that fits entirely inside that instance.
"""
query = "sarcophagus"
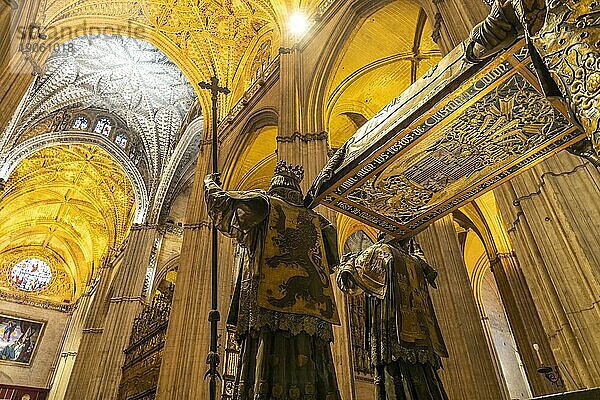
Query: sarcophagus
(456, 133)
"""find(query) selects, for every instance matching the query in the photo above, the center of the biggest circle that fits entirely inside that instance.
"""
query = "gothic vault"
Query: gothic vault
(105, 141)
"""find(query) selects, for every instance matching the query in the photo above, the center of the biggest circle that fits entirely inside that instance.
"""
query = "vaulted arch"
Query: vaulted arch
(33, 145)
(356, 76)
(253, 152)
(69, 205)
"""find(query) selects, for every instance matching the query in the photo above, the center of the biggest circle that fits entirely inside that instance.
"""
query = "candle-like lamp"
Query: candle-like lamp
(547, 371)
(536, 347)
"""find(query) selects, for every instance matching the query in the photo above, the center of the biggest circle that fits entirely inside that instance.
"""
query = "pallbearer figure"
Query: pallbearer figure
(563, 38)
(402, 331)
(283, 306)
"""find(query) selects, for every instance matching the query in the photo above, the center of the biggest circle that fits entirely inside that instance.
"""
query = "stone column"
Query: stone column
(341, 348)
(70, 347)
(7, 8)
(524, 321)
(91, 333)
(469, 372)
(188, 336)
(552, 213)
(309, 150)
(101, 377)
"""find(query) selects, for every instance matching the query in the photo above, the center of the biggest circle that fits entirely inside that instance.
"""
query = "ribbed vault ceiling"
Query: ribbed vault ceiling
(71, 204)
(206, 37)
(387, 52)
(129, 78)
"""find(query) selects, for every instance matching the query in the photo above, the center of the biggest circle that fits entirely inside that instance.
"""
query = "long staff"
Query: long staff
(213, 315)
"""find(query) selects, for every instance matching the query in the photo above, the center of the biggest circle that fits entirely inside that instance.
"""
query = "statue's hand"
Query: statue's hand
(211, 182)
(348, 258)
(212, 178)
(500, 29)
(345, 281)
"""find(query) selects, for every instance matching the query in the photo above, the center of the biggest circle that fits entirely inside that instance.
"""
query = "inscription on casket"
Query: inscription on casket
(401, 170)
(507, 123)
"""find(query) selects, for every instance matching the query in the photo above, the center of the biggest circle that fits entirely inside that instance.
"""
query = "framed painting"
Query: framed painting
(19, 339)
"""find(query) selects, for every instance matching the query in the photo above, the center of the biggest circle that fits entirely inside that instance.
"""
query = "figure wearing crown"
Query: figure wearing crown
(283, 305)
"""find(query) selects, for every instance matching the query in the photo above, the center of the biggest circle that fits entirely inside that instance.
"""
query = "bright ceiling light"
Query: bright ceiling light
(298, 24)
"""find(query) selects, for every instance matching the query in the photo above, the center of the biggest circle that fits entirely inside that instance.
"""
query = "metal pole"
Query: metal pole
(213, 315)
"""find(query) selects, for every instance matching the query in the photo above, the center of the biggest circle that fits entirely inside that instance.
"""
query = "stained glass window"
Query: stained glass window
(31, 274)
(103, 126)
(121, 140)
(80, 122)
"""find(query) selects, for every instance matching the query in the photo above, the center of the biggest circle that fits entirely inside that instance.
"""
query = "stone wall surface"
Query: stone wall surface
(44, 361)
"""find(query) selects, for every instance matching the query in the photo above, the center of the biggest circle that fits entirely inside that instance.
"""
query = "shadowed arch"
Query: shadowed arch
(347, 227)
(171, 265)
(263, 118)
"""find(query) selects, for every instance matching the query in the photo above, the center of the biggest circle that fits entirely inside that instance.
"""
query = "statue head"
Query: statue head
(286, 182)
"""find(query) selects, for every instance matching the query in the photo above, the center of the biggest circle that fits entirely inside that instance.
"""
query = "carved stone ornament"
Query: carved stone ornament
(144, 355)
(457, 132)
(128, 83)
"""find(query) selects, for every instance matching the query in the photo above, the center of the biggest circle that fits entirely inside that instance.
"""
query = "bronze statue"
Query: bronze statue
(563, 37)
(283, 305)
(406, 344)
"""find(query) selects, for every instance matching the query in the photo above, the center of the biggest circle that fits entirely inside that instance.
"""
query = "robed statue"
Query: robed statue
(563, 37)
(403, 334)
(283, 306)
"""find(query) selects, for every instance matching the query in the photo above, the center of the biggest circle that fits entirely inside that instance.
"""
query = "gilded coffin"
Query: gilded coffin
(457, 132)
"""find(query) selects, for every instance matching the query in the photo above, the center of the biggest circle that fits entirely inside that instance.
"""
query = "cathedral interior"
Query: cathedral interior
(105, 140)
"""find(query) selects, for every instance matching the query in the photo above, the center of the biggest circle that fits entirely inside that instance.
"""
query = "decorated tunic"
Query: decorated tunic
(284, 284)
(402, 322)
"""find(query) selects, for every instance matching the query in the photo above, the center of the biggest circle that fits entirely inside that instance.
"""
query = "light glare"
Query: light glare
(298, 24)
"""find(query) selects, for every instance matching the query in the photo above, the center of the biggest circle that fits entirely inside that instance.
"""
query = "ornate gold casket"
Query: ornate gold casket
(456, 133)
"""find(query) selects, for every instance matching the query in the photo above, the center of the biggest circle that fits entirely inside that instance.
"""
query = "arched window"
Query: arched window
(31, 274)
(103, 126)
(80, 123)
(121, 140)
(261, 61)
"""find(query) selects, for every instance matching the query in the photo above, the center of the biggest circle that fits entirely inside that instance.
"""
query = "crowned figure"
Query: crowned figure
(563, 37)
(283, 306)
(402, 332)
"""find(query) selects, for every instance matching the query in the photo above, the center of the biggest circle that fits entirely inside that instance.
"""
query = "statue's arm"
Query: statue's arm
(430, 273)
(498, 31)
(345, 274)
(366, 271)
(234, 213)
(507, 21)
(331, 244)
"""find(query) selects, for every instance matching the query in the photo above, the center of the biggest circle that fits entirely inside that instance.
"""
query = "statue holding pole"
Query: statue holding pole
(283, 306)
(213, 316)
